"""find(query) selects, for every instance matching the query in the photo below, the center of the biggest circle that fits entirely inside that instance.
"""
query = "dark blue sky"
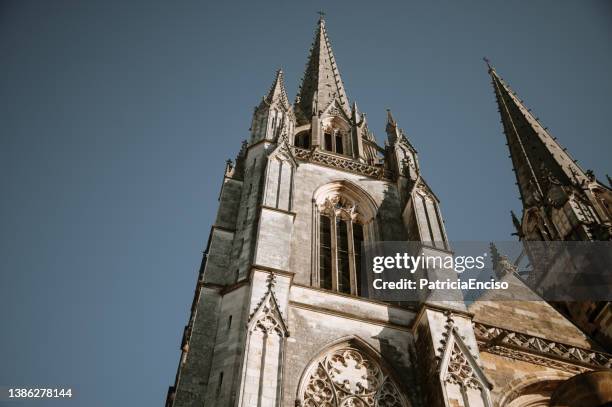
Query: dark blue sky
(117, 117)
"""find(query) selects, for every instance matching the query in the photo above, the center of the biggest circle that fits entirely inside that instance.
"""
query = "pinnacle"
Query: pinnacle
(390, 120)
(277, 90)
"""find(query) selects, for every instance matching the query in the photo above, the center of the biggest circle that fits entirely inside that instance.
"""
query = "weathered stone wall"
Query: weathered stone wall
(195, 369)
(308, 178)
(511, 377)
(218, 256)
(229, 202)
(228, 346)
(318, 319)
(274, 239)
(248, 214)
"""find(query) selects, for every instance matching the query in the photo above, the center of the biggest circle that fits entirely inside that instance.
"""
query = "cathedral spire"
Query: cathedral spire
(538, 159)
(321, 84)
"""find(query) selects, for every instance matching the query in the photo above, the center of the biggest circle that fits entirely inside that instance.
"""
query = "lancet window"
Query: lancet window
(341, 234)
(334, 141)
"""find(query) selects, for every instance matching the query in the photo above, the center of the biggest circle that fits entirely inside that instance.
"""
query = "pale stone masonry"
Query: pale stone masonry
(278, 317)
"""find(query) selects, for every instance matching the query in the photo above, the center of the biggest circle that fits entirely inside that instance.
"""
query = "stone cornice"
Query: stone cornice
(341, 163)
(355, 298)
(259, 267)
(538, 350)
(452, 311)
(347, 315)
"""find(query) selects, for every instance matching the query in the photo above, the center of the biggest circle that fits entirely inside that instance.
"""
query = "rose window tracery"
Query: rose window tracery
(346, 377)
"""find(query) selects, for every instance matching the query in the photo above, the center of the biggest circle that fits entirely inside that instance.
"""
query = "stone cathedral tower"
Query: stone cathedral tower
(278, 317)
(561, 201)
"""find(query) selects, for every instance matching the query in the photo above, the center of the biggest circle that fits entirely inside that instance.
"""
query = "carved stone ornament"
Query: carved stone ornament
(460, 371)
(424, 192)
(346, 377)
(340, 207)
(333, 111)
(269, 324)
(342, 163)
(407, 165)
(459, 366)
(540, 351)
(267, 317)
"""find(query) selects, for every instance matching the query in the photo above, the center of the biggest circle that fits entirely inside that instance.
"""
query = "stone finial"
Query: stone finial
(271, 281)
(229, 168)
(501, 264)
(517, 225)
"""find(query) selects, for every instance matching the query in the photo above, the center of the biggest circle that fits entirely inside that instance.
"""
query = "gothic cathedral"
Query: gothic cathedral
(279, 320)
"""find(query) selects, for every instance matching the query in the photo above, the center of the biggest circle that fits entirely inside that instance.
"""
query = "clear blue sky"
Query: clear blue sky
(117, 117)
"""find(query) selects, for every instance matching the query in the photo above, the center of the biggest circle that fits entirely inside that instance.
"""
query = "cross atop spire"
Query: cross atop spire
(488, 62)
(538, 159)
(321, 84)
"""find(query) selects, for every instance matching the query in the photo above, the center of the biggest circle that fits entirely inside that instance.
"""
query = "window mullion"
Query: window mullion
(316, 220)
(334, 252)
(351, 249)
(333, 137)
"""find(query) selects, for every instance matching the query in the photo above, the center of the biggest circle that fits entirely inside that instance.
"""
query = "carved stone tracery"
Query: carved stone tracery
(339, 206)
(336, 161)
(539, 350)
(267, 317)
(346, 377)
(268, 323)
(458, 366)
(460, 371)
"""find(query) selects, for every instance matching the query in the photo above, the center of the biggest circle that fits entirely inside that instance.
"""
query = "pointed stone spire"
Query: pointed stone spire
(393, 131)
(501, 264)
(277, 91)
(321, 83)
(274, 114)
(538, 159)
(495, 256)
(355, 112)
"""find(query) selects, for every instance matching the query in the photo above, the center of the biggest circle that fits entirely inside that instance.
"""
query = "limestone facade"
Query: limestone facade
(278, 318)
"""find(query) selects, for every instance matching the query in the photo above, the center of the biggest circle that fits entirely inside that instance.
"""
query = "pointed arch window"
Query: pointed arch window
(334, 141)
(341, 234)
